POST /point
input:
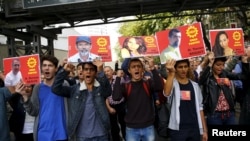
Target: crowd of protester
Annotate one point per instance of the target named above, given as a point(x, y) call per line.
point(94, 102)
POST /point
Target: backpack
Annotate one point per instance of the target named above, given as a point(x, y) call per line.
point(145, 86)
point(162, 112)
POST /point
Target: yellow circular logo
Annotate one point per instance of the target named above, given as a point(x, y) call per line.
point(192, 32)
point(102, 42)
point(31, 62)
point(149, 39)
point(236, 35)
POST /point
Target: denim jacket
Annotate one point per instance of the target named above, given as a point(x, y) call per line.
point(76, 100)
point(4, 126)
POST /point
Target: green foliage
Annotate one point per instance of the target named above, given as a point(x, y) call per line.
point(156, 23)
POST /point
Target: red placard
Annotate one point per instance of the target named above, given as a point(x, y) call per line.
point(100, 47)
point(191, 42)
point(227, 42)
point(138, 46)
point(29, 67)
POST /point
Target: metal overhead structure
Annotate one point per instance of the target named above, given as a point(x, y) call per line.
point(29, 20)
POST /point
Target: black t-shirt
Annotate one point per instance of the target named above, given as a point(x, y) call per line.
point(188, 115)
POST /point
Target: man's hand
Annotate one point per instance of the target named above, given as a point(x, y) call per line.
point(68, 67)
point(119, 73)
point(99, 64)
point(170, 66)
point(64, 61)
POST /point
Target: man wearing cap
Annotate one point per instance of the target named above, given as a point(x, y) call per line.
point(83, 45)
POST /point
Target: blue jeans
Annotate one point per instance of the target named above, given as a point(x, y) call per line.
point(222, 118)
point(98, 138)
point(140, 134)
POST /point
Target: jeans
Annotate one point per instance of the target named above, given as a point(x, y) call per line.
point(98, 138)
point(222, 118)
point(140, 134)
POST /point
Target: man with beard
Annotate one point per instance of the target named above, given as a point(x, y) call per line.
point(48, 108)
point(83, 45)
point(173, 50)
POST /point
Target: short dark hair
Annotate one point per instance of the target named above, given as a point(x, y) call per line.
point(79, 64)
point(182, 61)
point(223, 59)
point(172, 31)
point(89, 63)
point(134, 60)
point(50, 58)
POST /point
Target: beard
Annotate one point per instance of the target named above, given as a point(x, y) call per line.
point(84, 52)
point(176, 44)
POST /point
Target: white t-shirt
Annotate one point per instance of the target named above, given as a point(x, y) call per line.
point(28, 124)
point(12, 79)
point(77, 59)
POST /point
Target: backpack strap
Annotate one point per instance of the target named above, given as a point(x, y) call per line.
point(128, 88)
point(146, 87)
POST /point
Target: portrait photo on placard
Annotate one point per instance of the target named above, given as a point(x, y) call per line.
point(25, 68)
point(88, 48)
point(181, 42)
point(227, 42)
point(138, 46)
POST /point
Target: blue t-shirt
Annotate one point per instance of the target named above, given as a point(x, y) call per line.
point(52, 121)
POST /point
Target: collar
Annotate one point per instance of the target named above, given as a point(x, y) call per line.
point(84, 87)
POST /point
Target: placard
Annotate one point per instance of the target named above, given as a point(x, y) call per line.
point(181, 42)
point(26, 68)
point(88, 48)
point(227, 42)
point(138, 46)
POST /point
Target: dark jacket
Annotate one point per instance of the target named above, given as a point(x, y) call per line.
point(17, 118)
point(140, 109)
point(245, 108)
point(76, 100)
point(211, 90)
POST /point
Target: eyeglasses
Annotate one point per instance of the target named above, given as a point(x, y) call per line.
point(16, 65)
point(89, 69)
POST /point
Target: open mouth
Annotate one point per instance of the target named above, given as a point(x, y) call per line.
point(137, 74)
point(87, 77)
point(46, 73)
